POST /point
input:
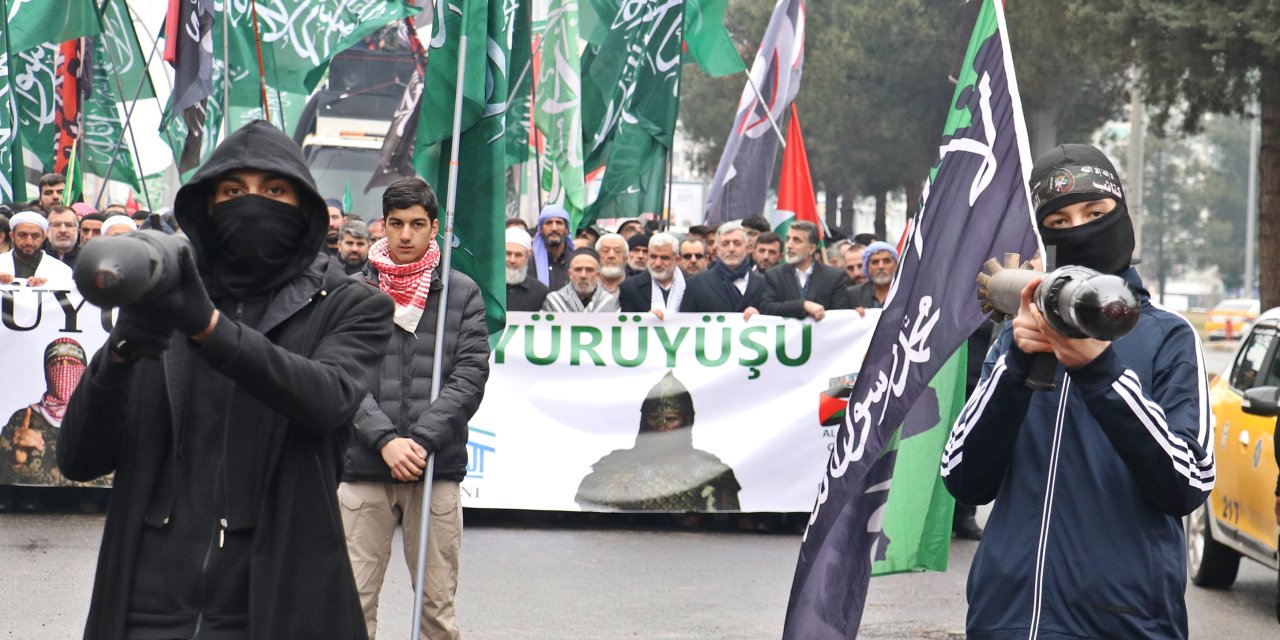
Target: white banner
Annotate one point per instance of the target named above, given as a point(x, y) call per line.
point(565, 394)
point(47, 337)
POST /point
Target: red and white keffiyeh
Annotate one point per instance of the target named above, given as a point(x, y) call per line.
point(407, 284)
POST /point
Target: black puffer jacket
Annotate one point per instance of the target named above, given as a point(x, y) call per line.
point(296, 375)
point(399, 401)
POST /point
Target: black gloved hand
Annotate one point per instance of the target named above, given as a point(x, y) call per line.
point(186, 308)
point(135, 336)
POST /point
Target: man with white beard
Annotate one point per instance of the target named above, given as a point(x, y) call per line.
point(524, 292)
point(660, 289)
point(583, 293)
point(879, 264)
point(612, 248)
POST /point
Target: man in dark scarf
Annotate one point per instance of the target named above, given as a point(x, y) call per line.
point(227, 438)
point(730, 285)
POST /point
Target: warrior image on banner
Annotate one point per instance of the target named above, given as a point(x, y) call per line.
point(29, 439)
point(663, 471)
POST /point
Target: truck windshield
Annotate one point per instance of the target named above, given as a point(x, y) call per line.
point(334, 168)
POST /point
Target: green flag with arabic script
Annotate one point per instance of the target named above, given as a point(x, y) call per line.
point(630, 101)
point(558, 112)
point(478, 241)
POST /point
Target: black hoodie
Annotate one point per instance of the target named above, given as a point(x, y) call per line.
point(223, 519)
point(257, 145)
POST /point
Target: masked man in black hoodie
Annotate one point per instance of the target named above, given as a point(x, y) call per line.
point(227, 438)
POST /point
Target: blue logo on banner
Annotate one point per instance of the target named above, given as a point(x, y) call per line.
point(477, 448)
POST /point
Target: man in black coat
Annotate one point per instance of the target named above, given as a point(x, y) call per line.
point(660, 288)
point(524, 291)
point(803, 286)
point(227, 439)
point(730, 285)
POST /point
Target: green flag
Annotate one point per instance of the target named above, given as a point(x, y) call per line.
point(34, 72)
point(121, 49)
point(521, 85)
point(346, 198)
point(298, 37)
point(630, 100)
point(13, 184)
point(478, 225)
point(30, 23)
point(708, 39)
point(917, 516)
point(103, 128)
point(558, 111)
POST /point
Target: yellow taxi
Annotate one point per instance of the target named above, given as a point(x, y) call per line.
point(1239, 519)
point(1230, 319)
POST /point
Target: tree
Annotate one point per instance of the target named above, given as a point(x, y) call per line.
point(1070, 85)
point(1218, 56)
point(874, 93)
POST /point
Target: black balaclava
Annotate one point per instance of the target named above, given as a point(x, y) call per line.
point(255, 240)
point(267, 251)
point(1072, 173)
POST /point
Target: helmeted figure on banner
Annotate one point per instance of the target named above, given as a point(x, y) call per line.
point(663, 471)
point(28, 442)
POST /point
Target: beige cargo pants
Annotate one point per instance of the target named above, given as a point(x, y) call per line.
point(370, 513)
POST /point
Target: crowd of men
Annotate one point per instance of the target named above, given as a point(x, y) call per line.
point(736, 267)
point(38, 238)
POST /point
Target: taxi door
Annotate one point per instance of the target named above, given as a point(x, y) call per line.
point(1245, 460)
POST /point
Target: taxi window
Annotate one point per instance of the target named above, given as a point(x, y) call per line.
point(1252, 361)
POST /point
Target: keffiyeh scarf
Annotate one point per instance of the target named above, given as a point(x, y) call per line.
point(407, 284)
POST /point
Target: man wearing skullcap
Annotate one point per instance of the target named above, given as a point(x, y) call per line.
point(583, 294)
point(524, 292)
point(26, 259)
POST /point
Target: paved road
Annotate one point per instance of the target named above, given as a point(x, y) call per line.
point(594, 580)
point(584, 581)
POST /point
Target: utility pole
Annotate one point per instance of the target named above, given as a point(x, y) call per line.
point(1137, 130)
point(1251, 208)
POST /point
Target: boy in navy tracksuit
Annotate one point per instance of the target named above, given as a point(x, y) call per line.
point(1090, 479)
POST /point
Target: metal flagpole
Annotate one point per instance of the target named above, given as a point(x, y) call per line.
point(666, 212)
point(128, 117)
point(128, 127)
point(767, 112)
point(437, 366)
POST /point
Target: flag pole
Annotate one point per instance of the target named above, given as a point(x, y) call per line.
point(262, 70)
point(128, 118)
point(437, 365)
point(226, 72)
point(533, 124)
point(777, 131)
point(128, 126)
point(666, 212)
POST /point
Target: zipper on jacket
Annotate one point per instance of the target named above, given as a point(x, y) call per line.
point(204, 571)
point(1042, 546)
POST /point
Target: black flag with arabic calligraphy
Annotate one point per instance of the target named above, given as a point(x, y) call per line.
point(976, 206)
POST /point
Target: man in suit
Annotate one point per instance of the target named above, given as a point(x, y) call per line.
point(730, 285)
point(803, 287)
point(660, 288)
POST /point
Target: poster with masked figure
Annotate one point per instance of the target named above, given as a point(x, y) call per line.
point(48, 336)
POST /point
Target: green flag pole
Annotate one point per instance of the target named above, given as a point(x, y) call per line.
point(128, 118)
point(128, 126)
point(437, 365)
point(533, 115)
